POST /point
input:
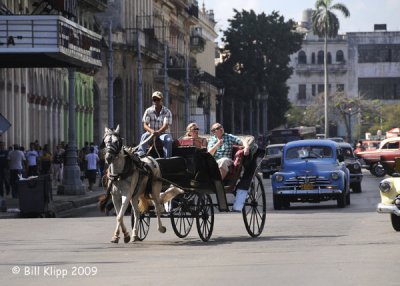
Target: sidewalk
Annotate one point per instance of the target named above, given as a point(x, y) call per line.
point(62, 206)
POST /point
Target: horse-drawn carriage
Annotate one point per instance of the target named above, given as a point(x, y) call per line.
point(194, 176)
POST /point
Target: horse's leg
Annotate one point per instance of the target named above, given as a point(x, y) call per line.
point(120, 218)
point(155, 192)
point(117, 205)
point(136, 213)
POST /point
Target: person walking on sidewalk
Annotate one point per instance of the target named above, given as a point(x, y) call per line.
point(16, 161)
point(92, 159)
point(3, 171)
point(32, 156)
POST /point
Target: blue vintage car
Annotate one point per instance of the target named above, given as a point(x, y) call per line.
point(311, 171)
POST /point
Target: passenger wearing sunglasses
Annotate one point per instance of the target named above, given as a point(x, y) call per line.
point(220, 146)
point(156, 121)
point(192, 132)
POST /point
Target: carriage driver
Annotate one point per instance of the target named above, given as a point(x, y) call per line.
point(156, 121)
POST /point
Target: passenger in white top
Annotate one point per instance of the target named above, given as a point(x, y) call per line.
point(16, 160)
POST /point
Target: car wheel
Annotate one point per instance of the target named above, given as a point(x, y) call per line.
point(377, 170)
point(277, 202)
point(395, 222)
point(356, 187)
point(341, 200)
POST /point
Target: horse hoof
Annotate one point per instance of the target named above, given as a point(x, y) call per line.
point(163, 229)
point(127, 239)
point(134, 238)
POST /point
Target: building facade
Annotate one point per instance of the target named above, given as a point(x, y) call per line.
point(359, 63)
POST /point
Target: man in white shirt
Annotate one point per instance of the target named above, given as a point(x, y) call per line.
point(32, 155)
point(91, 167)
point(16, 160)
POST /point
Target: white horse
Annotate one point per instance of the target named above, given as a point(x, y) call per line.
point(128, 177)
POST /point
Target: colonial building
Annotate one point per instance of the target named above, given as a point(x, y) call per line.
point(359, 63)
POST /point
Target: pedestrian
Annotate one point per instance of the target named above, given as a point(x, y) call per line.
point(156, 121)
point(16, 161)
point(45, 160)
point(92, 160)
point(32, 157)
point(58, 164)
point(4, 171)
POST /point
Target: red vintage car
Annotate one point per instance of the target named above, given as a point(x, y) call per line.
point(371, 160)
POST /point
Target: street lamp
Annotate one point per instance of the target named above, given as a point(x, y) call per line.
point(221, 92)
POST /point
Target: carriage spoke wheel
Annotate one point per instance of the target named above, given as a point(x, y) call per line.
point(205, 217)
point(181, 215)
point(254, 210)
point(143, 226)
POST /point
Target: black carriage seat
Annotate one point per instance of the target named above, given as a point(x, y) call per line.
point(174, 169)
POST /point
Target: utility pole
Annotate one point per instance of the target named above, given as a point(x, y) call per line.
point(110, 79)
point(140, 83)
point(187, 92)
point(166, 95)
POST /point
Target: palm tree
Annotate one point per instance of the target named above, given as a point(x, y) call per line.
point(326, 24)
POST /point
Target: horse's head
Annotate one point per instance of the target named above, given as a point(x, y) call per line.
point(112, 142)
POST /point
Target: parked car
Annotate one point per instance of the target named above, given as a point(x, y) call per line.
point(354, 166)
point(391, 162)
point(272, 160)
point(311, 171)
point(371, 159)
point(390, 200)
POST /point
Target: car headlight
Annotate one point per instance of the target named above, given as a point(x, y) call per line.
point(335, 176)
point(384, 187)
point(279, 178)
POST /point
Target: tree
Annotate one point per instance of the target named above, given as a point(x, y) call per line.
point(256, 63)
point(326, 24)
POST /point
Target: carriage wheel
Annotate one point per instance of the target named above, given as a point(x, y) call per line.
point(181, 215)
point(205, 217)
point(144, 225)
point(254, 210)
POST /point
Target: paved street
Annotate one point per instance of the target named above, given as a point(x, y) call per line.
point(309, 244)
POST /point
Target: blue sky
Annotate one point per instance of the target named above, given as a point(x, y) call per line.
point(363, 13)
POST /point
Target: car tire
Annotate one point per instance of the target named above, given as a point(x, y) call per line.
point(356, 187)
point(341, 200)
point(377, 170)
point(277, 203)
point(395, 222)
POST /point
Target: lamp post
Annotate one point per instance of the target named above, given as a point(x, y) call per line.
point(221, 104)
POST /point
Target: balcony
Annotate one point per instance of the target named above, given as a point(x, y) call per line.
point(197, 43)
point(340, 68)
point(47, 41)
point(97, 5)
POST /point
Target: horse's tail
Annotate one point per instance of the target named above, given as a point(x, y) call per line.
point(144, 203)
point(103, 199)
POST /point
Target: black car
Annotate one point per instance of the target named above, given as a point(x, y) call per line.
point(354, 166)
point(272, 160)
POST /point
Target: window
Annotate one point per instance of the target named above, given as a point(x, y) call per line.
point(380, 88)
point(302, 92)
point(313, 58)
point(379, 53)
point(313, 90)
point(340, 87)
point(321, 88)
point(320, 58)
point(339, 56)
point(302, 58)
point(329, 59)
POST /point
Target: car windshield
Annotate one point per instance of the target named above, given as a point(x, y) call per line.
point(306, 152)
point(274, 151)
point(347, 153)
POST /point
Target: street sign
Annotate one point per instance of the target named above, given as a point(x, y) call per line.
point(4, 124)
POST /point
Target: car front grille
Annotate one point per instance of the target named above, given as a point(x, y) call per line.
point(298, 182)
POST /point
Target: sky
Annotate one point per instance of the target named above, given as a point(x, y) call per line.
point(363, 13)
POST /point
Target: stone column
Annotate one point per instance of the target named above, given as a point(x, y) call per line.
point(71, 184)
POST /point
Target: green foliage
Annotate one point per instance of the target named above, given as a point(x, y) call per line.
point(325, 22)
point(385, 118)
point(256, 60)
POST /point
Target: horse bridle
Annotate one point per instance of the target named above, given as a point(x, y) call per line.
point(113, 148)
